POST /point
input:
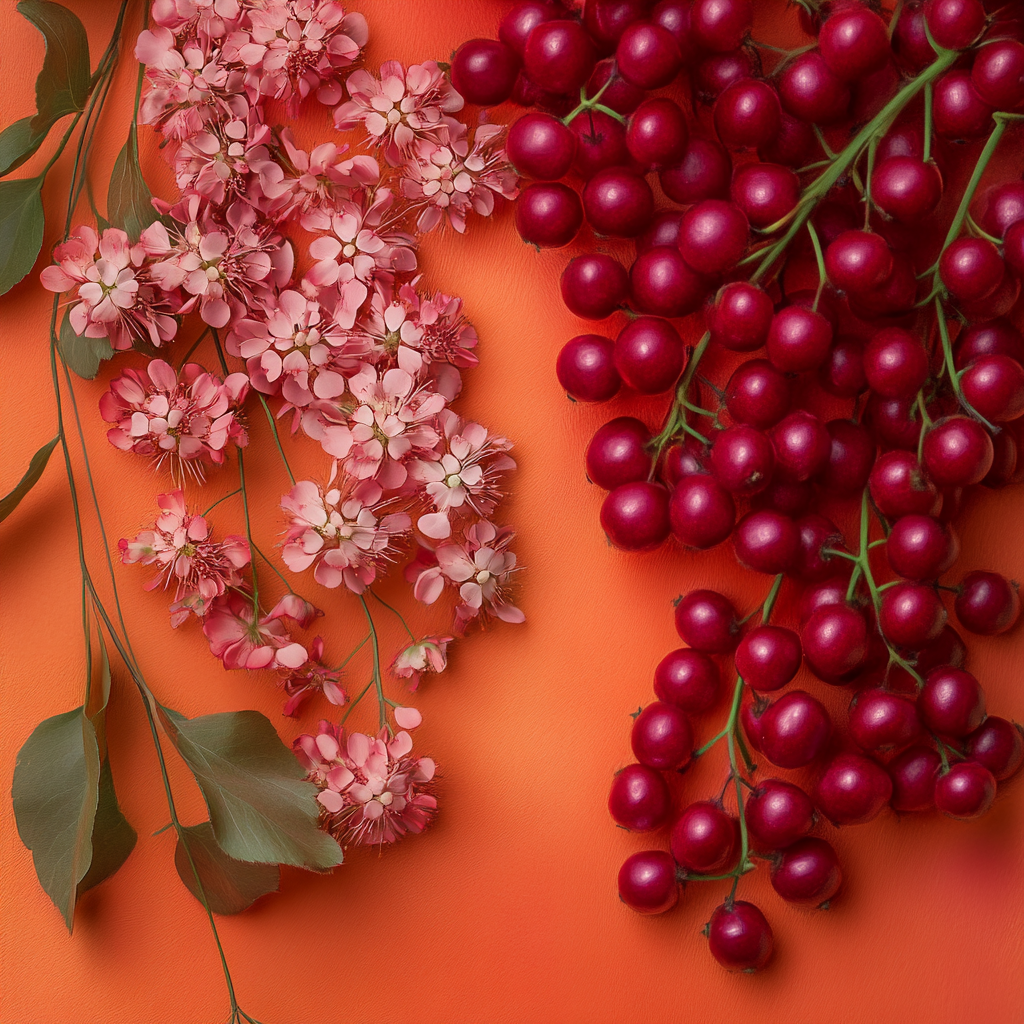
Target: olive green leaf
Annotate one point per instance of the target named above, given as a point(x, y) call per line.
point(129, 204)
point(10, 501)
point(82, 354)
point(21, 229)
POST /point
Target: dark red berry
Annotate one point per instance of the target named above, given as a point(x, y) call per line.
point(541, 146)
point(951, 702)
point(882, 721)
point(647, 55)
point(742, 460)
point(895, 363)
point(647, 882)
point(802, 446)
point(649, 355)
point(798, 339)
point(998, 73)
point(1002, 205)
point(911, 615)
point(992, 338)
point(794, 730)
point(842, 372)
point(662, 283)
point(807, 873)
point(921, 548)
point(854, 42)
point(618, 202)
point(858, 261)
point(617, 453)
point(793, 144)
point(966, 791)
point(778, 814)
point(954, 24)
point(701, 511)
point(906, 188)
point(765, 192)
point(662, 737)
point(621, 96)
point(987, 603)
point(766, 541)
point(998, 745)
point(768, 657)
point(852, 790)
point(739, 937)
point(994, 386)
point(606, 20)
point(910, 39)
point(586, 368)
point(548, 214)
point(707, 622)
point(971, 268)
point(811, 91)
point(834, 637)
point(688, 679)
point(594, 285)
point(851, 457)
point(517, 25)
point(899, 486)
point(559, 56)
point(740, 317)
point(957, 452)
point(484, 71)
point(600, 142)
point(913, 774)
point(757, 393)
point(705, 840)
point(634, 516)
point(713, 236)
point(703, 173)
point(639, 798)
point(657, 135)
point(720, 25)
point(748, 114)
point(958, 111)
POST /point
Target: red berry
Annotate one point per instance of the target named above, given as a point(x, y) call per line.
point(818, 536)
point(987, 603)
point(634, 516)
point(757, 394)
point(842, 372)
point(911, 615)
point(882, 721)
point(906, 188)
point(657, 135)
point(854, 42)
point(688, 679)
point(701, 511)
point(765, 192)
point(739, 937)
point(954, 24)
point(966, 791)
point(541, 147)
point(834, 638)
point(740, 317)
point(971, 268)
point(647, 55)
point(913, 774)
point(742, 460)
point(705, 840)
point(720, 25)
point(793, 144)
point(766, 541)
point(586, 368)
point(748, 114)
point(852, 790)
point(993, 338)
point(794, 730)
point(484, 71)
point(910, 40)
point(649, 355)
point(899, 486)
point(895, 421)
point(798, 339)
point(958, 111)
point(802, 446)
point(998, 745)
point(559, 56)
point(662, 283)
point(703, 173)
point(768, 657)
point(994, 386)
point(713, 236)
point(851, 457)
point(807, 873)
point(517, 25)
point(921, 548)
point(957, 452)
point(621, 96)
point(707, 622)
point(998, 73)
point(548, 214)
point(594, 285)
point(639, 798)
point(895, 363)
point(1002, 205)
point(618, 202)
point(600, 142)
point(647, 882)
point(811, 91)
point(778, 814)
point(858, 261)
point(606, 20)
point(662, 737)
point(951, 702)
point(662, 231)
point(617, 453)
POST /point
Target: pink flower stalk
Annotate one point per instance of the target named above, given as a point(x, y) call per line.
point(394, 422)
point(117, 298)
point(344, 536)
point(189, 421)
point(400, 106)
point(242, 638)
point(427, 655)
point(298, 47)
point(465, 478)
point(312, 677)
point(372, 790)
point(295, 348)
point(448, 180)
point(179, 544)
point(480, 567)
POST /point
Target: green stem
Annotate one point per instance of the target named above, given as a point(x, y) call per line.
point(248, 533)
point(382, 701)
point(928, 91)
point(396, 612)
point(820, 259)
point(277, 439)
point(950, 367)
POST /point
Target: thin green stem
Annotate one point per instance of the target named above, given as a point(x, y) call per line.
point(195, 345)
point(277, 439)
point(820, 259)
point(280, 575)
point(872, 146)
point(382, 701)
point(928, 99)
point(237, 490)
point(396, 612)
point(355, 650)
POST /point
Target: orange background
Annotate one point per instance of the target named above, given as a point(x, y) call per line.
point(506, 910)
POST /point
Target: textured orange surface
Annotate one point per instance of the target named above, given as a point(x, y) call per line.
point(506, 910)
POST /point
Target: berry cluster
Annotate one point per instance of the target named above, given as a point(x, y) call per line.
point(817, 229)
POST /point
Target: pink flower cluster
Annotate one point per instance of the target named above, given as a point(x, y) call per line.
point(354, 351)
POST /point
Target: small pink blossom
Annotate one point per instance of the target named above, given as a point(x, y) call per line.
point(243, 639)
point(312, 677)
point(206, 17)
point(222, 161)
point(179, 544)
point(427, 655)
point(372, 790)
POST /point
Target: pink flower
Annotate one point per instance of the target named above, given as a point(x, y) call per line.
point(221, 161)
point(372, 790)
point(117, 297)
point(480, 567)
point(465, 477)
point(243, 639)
point(400, 107)
point(427, 655)
point(448, 180)
point(180, 546)
point(206, 17)
point(312, 677)
point(188, 421)
point(343, 535)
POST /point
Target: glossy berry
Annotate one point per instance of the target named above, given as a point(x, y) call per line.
point(548, 214)
point(768, 657)
point(662, 737)
point(994, 386)
point(842, 372)
point(921, 548)
point(620, 95)
point(958, 111)
point(899, 486)
point(882, 721)
point(954, 24)
point(778, 814)
point(701, 511)
point(951, 702)
point(858, 261)
point(703, 173)
point(617, 453)
point(713, 236)
point(895, 421)
point(742, 460)
point(541, 147)
point(662, 284)
point(854, 42)
point(802, 446)
point(966, 791)
point(634, 516)
point(639, 799)
point(674, 15)
point(739, 937)
point(757, 393)
point(971, 268)
point(913, 774)
point(850, 459)
point(586, 368)
point(657, 135)
point(998, 745)
point(798, 339)
point(594, 285)
point(788, 498)
point(649, 355)
point(684, 459)
point(834, 639)
point(992, 338)
point(895, 363)
point(524, 17)
point(748, 114)
point(618, 202)
point(765, 192)
point(998, 73)
point(720, 25)
point(766, 541)
point(906, 188)
point(600, 142)
point(811, 91)
point(707, 622)
point(1002, 205)
point(688, 679)
point(957, 452)
point(793, 144)
point(559, 56)
point(484, 71)
point(852, 790)
point(807, 873)
point(606, 20)
point(647, 55)
point(818, 537)
point(740, 316)
point(987, 603)
point(647, 882)
point(895, 296)
point(662, 231)
point(911, 615)
point(794, 730)
point(705, 840)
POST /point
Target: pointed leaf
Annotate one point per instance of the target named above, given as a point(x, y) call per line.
point(64, 81)
point(21, 229)
point(230, 885)
point(129, 201)
point(83, 355)
point(18, 141)
point(260, 806)
point(55, 794)
point(9, 502)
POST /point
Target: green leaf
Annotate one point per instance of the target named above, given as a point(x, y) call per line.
point(18, 142)
point(129, 203)
point(260, 806)
point(21, 229)
point(82, 354)
point(230, 885)
point(64, 81)
point(9, 502)
point(55, 793)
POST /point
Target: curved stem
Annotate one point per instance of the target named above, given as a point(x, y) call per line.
point(382, 701)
